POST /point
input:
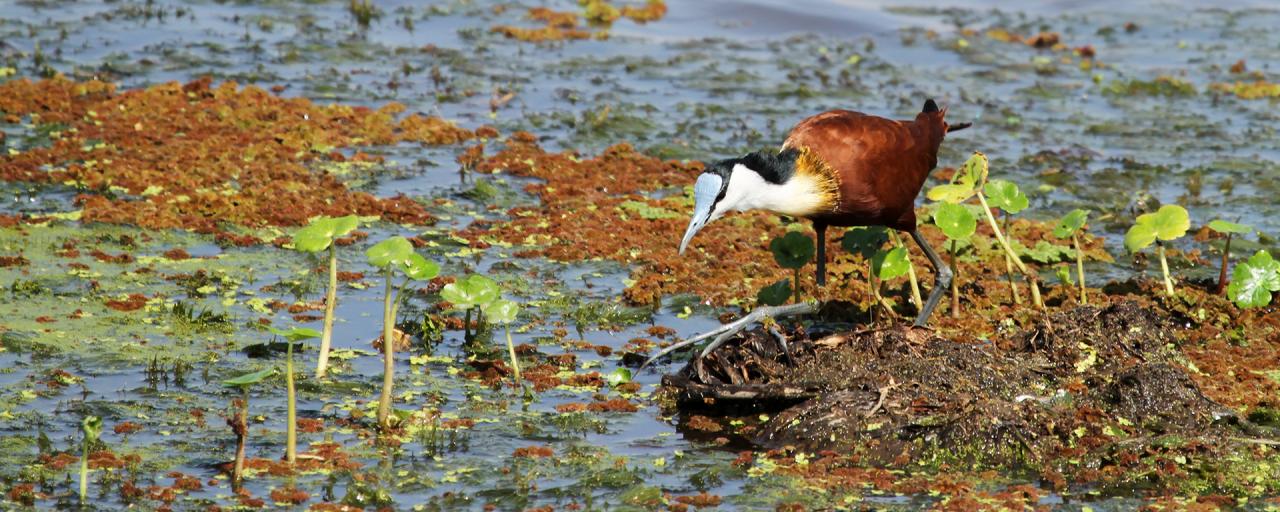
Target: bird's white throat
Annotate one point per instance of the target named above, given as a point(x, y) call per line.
point(747, 190)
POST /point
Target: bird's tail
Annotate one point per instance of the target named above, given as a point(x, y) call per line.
point(930, 106)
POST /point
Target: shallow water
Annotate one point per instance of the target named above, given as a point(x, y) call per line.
point(711, 79)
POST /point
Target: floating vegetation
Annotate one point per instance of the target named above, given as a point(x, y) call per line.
point(130, 153)
point(560, 25)
point(1160, 86)
point(1250, 90)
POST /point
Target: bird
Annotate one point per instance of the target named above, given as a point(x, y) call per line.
point(837, 168)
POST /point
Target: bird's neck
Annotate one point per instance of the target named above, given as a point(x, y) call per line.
point(792, 182)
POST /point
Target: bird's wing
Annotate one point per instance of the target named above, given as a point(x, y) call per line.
point(880, 163)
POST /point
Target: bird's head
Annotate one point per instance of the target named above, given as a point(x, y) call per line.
point(709, 194)
point(764, 180)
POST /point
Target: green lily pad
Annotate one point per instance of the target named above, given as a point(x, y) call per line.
point(775, 294)
point(965, 182)
point(419, 268)
point(891, 264)
point(1070, 223)
point(1223, 226)
point(955, 221)
point(319, 234)
point(792, 250)
point(865, 241)
point(249, 379)
point(618, 377)
point(1168, 223)
point(501, 311)
point(1253, 281)
point(474, 290)
point(394, 250)
point(295, 334)
point(1004, 194)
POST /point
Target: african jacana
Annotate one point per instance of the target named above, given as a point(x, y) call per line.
point(837, 168)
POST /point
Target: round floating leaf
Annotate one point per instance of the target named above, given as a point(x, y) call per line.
point(295, 334)
point(92, 428)
point(792, 250)
point(618, 377)
point(1139, 237)
point(501, 311)
point(964, 184)
point(891, 264)
point(1254, 280)
point(392, 250)
point(1223, 226)
point(249, 379)
point(1070, 223)
point(950, 193)
point(311, 239)
point(975, 170)
point(319, 234)
point(775, 294)
point(1168, 223)
point(1005, 195)
point(864, 241)
point(344, 225)
point(419, 268)
point(475, 290)
point(955, 221)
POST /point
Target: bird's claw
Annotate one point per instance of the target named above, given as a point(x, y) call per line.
point(726, 331)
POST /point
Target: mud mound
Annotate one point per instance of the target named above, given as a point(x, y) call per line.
point(1081, 381)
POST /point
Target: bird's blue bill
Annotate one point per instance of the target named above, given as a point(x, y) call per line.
point(705, 191)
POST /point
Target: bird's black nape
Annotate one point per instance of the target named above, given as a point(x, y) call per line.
point(930, 106)
point(775, 168)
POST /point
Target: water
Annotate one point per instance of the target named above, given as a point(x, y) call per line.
point(711, 79)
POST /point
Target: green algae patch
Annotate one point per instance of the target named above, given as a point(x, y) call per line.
point(1160, 86)
point(1250, 90)
point(193, 155)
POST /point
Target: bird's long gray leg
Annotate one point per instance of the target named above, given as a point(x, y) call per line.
point(939, 285)
point(821, 229)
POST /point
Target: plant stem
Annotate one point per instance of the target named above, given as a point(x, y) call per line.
point(1075, 240)
point(466, 327)
point(242, 434)
point(84, 473)
point(1222, 274)
point(291, 429)
point(515, 364)
point(1008, 269)
point(871, 281)
point(1032, 278)
point(330, 303)
point(1164, 267)
point(955, 283)
point(795, 292)
point(911, 273)
point(388, 354)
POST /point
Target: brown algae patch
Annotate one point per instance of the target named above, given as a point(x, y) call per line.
point(563, 25)
point(195, 155)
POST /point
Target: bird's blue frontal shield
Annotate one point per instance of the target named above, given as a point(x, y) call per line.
point(705, 191)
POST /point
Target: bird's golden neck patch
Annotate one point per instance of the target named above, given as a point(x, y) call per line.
point(825, 185)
